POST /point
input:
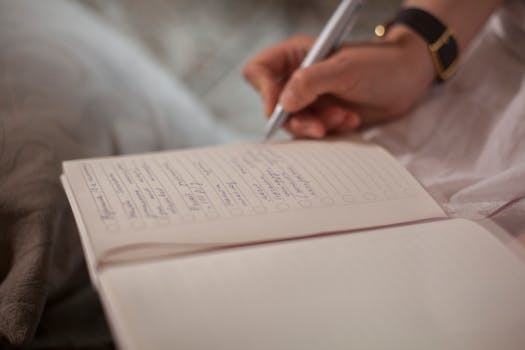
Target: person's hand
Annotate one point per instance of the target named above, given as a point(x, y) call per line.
point(357, 85)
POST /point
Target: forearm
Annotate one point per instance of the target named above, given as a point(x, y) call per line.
point(464, 17)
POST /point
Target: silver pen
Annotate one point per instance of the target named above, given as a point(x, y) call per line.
point(326, 42)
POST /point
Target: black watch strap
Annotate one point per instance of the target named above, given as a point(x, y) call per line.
point(441, 43)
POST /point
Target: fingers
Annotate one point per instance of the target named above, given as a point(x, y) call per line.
point(326, 116)
point(306, 85)
point(351, 123)
point(268, 71)
point(306, 125)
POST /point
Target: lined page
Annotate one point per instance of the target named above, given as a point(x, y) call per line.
point(243, 193)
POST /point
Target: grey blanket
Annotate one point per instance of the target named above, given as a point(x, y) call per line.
point(70, 87)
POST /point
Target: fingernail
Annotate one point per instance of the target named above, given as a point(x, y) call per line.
point(354, 120)
point(313, 131)
point(335, 119)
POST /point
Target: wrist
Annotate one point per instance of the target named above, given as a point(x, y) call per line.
point(442, 45)
point(418, 61)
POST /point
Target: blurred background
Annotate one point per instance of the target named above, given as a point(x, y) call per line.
point(205, 43)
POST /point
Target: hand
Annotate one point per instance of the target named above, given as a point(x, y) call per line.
point(357, 85)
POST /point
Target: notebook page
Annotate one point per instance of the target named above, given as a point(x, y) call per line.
point(242, 193)
point(442, 285)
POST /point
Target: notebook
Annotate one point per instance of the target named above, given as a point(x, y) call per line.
point(294, 244)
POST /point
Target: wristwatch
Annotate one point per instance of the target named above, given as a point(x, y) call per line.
point(441, 43)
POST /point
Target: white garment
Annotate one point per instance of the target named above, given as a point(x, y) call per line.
point(466, 140)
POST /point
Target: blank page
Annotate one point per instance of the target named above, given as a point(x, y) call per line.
point(443, 285)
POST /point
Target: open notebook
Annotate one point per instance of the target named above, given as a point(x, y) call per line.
point(233, 246)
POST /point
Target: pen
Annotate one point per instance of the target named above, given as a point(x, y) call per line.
point(326, 42)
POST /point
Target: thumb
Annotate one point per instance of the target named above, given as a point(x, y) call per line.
point(307, 84)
